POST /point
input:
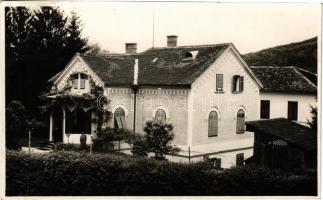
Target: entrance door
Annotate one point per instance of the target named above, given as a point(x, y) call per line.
point(58, 125)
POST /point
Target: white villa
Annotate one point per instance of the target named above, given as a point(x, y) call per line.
point(206, 91)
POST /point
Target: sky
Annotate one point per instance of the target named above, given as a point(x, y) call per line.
point(250, 27)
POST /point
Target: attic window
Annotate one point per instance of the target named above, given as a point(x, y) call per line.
point(78, 80)
point(190, 55)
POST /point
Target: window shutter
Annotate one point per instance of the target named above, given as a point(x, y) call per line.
point(239, 159)
point(119, 117)
point(82, 83)
point(240, 121)
point(218, 163)
point(213, 124)
point(74, 82)
point(219, 82)
point(160, 116)
point(241, 83)
point(233, 84)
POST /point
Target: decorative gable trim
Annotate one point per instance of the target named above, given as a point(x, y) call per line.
point(85, 68)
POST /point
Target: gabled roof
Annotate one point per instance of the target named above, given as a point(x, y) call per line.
point(169, 66)
point(113, 70)
point(165, 66)
point(284, 79)
point(309, 75)
point(289, 131)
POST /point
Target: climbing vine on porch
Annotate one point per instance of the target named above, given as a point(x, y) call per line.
point(93, 100)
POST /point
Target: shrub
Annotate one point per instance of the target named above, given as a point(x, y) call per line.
point(71, 173)
point(157, 139)
point(107, 135)
point(16, 123)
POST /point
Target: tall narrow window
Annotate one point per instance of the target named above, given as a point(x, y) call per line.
point(237, 83)
point(292, 110)
point(160, 116)
point(219, 82)
point(119, 118)
point(240, 159)
point(213, 124)
point(264, 109)
point(240, 121)
point(82, 81)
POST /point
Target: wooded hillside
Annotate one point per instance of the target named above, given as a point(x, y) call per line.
point(300, 54)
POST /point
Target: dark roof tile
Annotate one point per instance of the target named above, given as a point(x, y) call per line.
point(290, 131)
point(283, 79)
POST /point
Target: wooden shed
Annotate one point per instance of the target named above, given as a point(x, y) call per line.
point(283, 144)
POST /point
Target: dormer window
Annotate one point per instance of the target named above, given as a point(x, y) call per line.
point(237, 83)
point(190, 55)
point(78, 80)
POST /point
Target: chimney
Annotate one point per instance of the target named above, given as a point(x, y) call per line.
point(131, 47)
point(171, 40)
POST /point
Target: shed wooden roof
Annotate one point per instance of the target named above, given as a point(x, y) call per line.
point(292, 132)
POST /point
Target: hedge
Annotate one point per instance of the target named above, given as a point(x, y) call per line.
point(71, 173)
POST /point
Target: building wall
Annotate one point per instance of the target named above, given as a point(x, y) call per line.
point(149, 99)
point(279, 104)
point(204, 99)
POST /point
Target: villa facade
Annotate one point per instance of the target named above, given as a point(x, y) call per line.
point(206, 91)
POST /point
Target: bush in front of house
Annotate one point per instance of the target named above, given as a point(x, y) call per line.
point(106, 136)
point(157, 139)
point(72, 173)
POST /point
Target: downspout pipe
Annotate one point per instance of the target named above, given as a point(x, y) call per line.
point(135, 90)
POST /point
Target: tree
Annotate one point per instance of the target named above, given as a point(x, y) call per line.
point(18, 31)
point(38, 45)
point(16, 123)
point(158, 139)
point(74, 40)
point(313, 122)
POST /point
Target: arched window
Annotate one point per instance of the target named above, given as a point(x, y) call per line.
point(160, 116)
point(213, 124)
point(119, 118)
point(240, 121)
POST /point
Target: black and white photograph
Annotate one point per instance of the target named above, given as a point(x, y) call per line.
point(155, 98)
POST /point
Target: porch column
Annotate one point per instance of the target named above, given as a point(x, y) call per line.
point(63, 129)
point(51, 127)
point(93, 125)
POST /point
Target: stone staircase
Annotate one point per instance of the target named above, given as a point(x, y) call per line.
point(44, 145)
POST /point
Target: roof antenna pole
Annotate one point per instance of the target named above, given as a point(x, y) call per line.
point(153, 27)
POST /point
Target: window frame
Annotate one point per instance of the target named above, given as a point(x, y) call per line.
point(164, 113)
point(240, 159)
point(119, 120)
point(237, 85)
point(242, 130)
point(264, 115)
point(219, 82)
point(210, 134)
point(290, 113)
